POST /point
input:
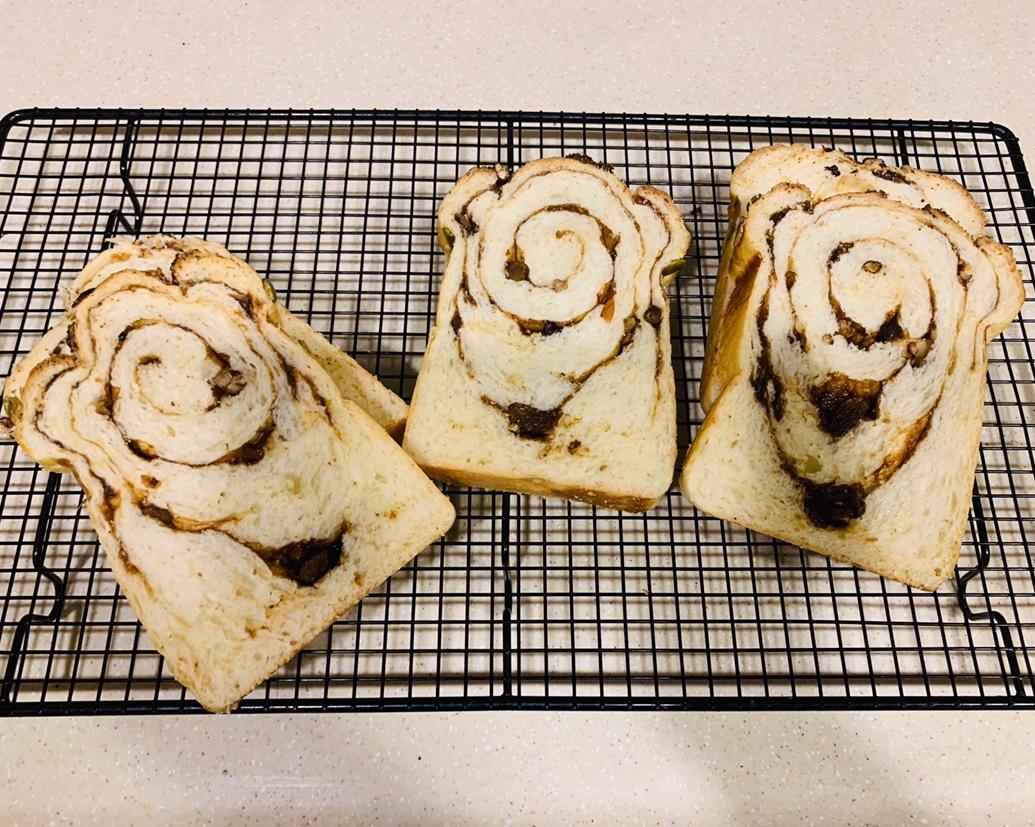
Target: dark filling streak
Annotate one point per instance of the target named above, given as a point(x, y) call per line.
point(631, 324)
point(743, 282)
point(253, 450)
point(767, 385)
point(917, 433)
point(109, 503)
point(305, 562)
point(797, 335)
point(70, 338)
point(940, 213)
point(781, 214)
point(578, 156)
point(963, 272)
point(859, 336)
point(833, 170)
point(842, 402)
point(882, 171)
point(839, 251)
point(142, 449)
point(106, 404)
point(463, 218)
point(891, 330)
point(606, 301)
point(532, 423)
point(82, 297)
point(653, 316)
point(247, 305)
point(609, 240)
point(832, 505)
point(457, 321)
point(527, 421)
point(290, 374)
point(159, 515)
point(501, 180)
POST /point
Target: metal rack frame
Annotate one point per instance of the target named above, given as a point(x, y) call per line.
point(527, 603)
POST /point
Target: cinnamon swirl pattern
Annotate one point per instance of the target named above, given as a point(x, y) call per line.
point(231, 484)
point(554, 286)
point(846, 362)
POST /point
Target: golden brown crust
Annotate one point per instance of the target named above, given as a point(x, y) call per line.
point(532, 485)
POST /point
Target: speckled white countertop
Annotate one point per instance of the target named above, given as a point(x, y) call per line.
point(883, 58)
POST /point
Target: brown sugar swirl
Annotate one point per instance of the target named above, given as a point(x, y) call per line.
point(174, 400)
point(556, 271)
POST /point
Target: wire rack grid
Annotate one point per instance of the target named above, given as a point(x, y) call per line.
point(527, 603)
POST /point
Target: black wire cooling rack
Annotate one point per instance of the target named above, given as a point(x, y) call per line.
point(528, 603)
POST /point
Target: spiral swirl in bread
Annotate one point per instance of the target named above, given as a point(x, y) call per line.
point(554, 283)
point(851, 319)
point(242, 500)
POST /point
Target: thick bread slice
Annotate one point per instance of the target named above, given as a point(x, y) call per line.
point(157, 252)
point(354, 382)
point(244, 504)
point(845, 371)
point(549, 367)
point(824, 173)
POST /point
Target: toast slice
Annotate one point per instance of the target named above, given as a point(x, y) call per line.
point(549, 370)
point(354, 381)
point(845, 369)
point(242, 501)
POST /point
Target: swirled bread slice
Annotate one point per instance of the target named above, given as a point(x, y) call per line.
point(355, 382)
point(243, 502)
point(549, 366)
point(845, 372)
